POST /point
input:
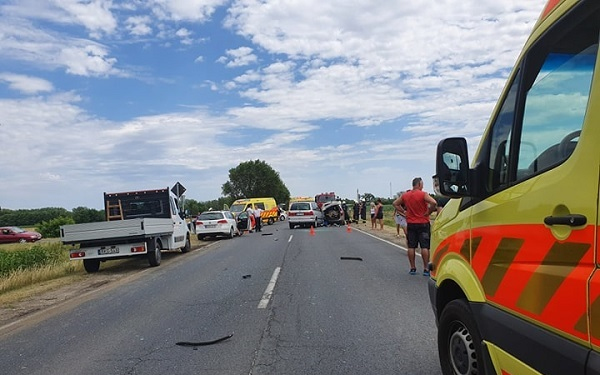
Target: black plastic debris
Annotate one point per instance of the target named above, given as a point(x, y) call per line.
point(204, 343)
point(351, 258)
point(246, 276)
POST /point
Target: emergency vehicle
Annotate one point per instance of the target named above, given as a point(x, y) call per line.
point(514, 284)
point(270, 212)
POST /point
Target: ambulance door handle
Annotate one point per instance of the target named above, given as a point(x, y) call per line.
point(574, 220)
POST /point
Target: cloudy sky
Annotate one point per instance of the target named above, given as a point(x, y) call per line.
point(105, 95)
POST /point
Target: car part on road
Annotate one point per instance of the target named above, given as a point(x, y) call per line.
point(204, 343)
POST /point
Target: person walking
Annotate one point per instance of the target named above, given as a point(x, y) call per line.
point(400, 217)
point(419, 205)
point(257, 218)
point(379, 214)
point(372, 215)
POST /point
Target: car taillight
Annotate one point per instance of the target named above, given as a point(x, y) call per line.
point(79, 254)
point(199, 223)
point(310, 213)
point(222, 221)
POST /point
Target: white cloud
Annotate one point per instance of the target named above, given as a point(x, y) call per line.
point(139, 25)
point(238, 57)
point(26, 84)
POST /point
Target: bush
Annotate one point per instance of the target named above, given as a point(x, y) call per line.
point(51, 228)
point(36, 256)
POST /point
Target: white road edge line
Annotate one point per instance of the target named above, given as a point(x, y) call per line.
point(269, 291)
point(386, 241)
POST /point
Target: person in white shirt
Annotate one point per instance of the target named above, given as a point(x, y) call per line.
point(250, 213)
point(258, 220)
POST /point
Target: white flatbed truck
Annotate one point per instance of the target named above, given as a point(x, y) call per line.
point(138, 223)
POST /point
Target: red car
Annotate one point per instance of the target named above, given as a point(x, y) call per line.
point(16, 234)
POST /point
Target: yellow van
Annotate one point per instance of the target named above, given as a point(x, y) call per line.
point(515, 285)
point(268, 205)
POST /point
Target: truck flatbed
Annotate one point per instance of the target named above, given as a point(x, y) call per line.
point(140, 227)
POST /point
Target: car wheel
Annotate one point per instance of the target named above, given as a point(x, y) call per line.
point(22, 240)
point(200, 237)
point(154, 255)
point(91, 265)
point(459, 341)
point(230, 232)
point(282, 218)
point(291, 226)
point(187, 247)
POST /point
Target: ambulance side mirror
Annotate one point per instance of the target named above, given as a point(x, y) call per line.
point(452, 168)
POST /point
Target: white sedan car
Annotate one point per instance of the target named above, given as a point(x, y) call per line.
point(216, 223)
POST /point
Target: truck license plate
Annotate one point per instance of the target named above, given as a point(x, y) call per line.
point(109, 250)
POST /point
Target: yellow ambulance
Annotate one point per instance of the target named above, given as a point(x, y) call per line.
point(515, 285)
point(268, 205)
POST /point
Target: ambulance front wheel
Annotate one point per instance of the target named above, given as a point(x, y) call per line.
point(459, 341)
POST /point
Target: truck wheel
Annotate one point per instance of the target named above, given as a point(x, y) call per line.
point(270, 221)
point(91, 265)
point(459, 341)
point(187, 247)
point(154, 255)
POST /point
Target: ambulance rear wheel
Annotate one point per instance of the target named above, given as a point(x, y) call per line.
point(270, 221)
point(91, 265)
point(459, 341)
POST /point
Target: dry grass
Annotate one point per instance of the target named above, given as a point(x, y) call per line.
point(23, 278)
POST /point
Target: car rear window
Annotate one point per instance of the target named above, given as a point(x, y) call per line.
point(210, 216)
point(302, 206)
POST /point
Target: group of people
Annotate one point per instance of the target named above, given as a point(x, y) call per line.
point(254, 218)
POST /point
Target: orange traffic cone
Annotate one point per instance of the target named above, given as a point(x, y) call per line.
point(312, 230)
point(348, 229)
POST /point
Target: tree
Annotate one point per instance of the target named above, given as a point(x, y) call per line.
point(253, 179)
point(368, 197)
point(87, 215)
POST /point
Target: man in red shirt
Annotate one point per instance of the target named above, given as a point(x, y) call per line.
point(418, 205)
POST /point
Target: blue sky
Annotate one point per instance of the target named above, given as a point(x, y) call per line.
point(104, 96)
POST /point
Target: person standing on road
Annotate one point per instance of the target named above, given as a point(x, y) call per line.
point(372, 215)
point(258, 219)
point(419, 205)
point(400, 217)
point(251, 220)
point(379, 214)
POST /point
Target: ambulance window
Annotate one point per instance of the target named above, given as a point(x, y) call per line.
point(499, 142)
point(554, 110)
point(260, 205)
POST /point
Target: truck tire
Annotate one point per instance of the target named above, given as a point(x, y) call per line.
point(91, 265)
point(459, 341)
point(154, 255)
point(187, 247)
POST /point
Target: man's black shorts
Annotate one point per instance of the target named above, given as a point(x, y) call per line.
point(418, 234)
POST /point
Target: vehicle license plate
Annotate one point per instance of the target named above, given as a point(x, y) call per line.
point(300, 214)
point(211, 226)
point(109, 250)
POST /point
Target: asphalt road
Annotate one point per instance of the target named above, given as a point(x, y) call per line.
point(289, 300)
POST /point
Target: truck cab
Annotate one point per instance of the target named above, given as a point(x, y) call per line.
point(514, 285)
